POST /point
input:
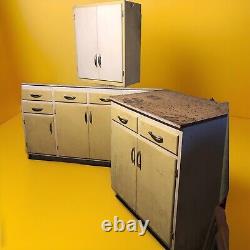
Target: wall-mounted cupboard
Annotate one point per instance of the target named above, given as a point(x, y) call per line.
point(108, 41)
point(68, 122)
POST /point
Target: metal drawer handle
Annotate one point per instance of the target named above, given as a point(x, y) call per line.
point(158, 139)
point(138, 160)
point(90, 117)
point(69, 97)
point(35, 96)
point(122, 120)
point(37, 109)
point(95, 60)
point(132, 155)
point(100, 61)
point(86, 118)
point(50, 128)
point(105, 99)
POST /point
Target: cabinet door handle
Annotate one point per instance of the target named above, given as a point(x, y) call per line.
point(86, 117)
point(37, 109)
point(100, 61)
point(122, 120)
point(71, 98)
point(95, 60)
point(105, 99)
point(90, 117)
point(132, 155)
point(50, 128)
point(158, 139)
point(138, 160)
point(35, 96)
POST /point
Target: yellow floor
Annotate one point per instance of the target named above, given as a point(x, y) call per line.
point(50, 205)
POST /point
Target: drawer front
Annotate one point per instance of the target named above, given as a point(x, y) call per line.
point(70, 95)
point(101, 98)
point(37, 93)
point(159, 133)
point(37, 107)
point(124, 116)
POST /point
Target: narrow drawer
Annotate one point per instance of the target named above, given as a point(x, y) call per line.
point(124, 116)
point(37, 107)
point(159, 133)
point(102, 98)
point(70, 95)
point(37, 93)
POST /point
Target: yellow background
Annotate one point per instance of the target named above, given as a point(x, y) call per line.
point(197, 47)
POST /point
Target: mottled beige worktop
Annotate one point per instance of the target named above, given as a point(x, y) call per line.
point(177, 108)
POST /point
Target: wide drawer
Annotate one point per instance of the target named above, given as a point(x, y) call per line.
point(70, 95)
point(159, 133)
point(102, 98)
point(124, 116)
point(37, 107)
point(37, 93)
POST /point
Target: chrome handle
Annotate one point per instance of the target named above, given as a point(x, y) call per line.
point(37, 109)
point(158, 139)
point(122, 120)
point(138, 160)
point(35, 96)
point(95, 60)
point(105, 100)
point(132, 155)
point(100, 61)
point(70, 98)
point(50, 128)
point(86, 118)
point(90, 117)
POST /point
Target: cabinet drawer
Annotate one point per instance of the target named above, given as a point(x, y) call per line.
point(37, 107)
point(124, 116)
point(159, 133)
point(37, 93)
point(102, 98)
point(70, 95)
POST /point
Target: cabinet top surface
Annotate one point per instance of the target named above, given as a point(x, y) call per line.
point(178, 109)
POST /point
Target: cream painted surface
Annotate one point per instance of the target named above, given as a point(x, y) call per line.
point(87, 42)
point(72, 130)
point(124, 116)
point(37, 107)
point(99, 132)
point(123, 171)
point(40, 134)
point(36, 93)
point(109, 23)
point(155, 188)
point(159, 133)
point(62, 94)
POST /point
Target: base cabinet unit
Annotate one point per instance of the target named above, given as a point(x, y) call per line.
point(69, 123)
point(167, 160)
point(40, 133)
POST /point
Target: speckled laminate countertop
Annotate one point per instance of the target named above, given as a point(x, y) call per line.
point(179, 109)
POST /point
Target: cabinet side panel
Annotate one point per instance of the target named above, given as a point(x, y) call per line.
point(132, 42)
point(200, 181)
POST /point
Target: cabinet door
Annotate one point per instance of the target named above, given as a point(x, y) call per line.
point(155, 188)
point(72, 130)
point(40, 136)
point(99, 131)
point(86, 42)
point(123, 170)
point(109, 23)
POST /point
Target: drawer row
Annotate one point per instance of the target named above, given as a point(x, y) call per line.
point(161, 134)
point(74, 95)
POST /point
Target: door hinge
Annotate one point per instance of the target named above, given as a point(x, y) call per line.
point(122, 13)
point(57, 147)
point(23, 121)
point(172, 236)
point(176, 173)
point(123, 73)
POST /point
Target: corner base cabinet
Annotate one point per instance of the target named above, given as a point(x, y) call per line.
point(69, 123)
point(167, 160)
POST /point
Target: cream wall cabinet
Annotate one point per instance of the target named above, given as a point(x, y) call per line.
point(108, 38)
point(69, 123)
point(167, 159)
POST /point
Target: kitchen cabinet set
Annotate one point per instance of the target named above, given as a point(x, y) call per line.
point(169, 167)
point(68, 123)
point(168, 151)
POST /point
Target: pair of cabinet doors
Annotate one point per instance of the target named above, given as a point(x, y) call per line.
point(99, 40)
point(76, 130)
point(143, 174)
